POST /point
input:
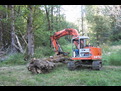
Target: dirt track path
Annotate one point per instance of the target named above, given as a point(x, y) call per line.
point(23, 67)
point(112, 67)
point(7, 68)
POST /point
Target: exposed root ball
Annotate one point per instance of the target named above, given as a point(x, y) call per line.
point(46, 64)
point(40, 66)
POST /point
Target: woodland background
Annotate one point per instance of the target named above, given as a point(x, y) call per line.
point(25, 32)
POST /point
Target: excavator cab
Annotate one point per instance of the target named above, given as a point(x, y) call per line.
point(78, 45)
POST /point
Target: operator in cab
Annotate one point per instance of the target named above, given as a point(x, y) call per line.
point(80, 45)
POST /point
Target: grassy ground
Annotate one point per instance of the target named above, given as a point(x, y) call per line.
point(111, 55)
point(13, 72)
point(60, 76)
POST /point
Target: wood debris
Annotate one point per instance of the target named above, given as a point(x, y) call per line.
point(45, 65)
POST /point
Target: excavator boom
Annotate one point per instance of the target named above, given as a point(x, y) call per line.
point(61, 33)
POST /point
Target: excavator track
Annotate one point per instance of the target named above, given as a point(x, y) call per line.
point(97, 65)
point(71, 65)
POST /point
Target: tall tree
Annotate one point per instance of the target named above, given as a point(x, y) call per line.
point(52, 7)
point(99, 24)
point(114, 12)
point(30, 35)
point(47, 15)
point(13, 39)
point(1, 28)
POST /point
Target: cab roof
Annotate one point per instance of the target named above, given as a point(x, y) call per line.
point(82, 37)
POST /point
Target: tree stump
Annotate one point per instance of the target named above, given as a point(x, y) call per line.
point(45, 65)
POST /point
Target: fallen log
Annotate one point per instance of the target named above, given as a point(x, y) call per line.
point(45, 65)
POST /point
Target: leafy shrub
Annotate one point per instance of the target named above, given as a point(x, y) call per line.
point(112, 58)
point(15, 59)
point(67, 48)
point(116, 42)
point(115, 58)
point(43, 51)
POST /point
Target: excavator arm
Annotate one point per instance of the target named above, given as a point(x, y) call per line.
point(59, 34)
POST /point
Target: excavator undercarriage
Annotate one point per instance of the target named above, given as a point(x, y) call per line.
point(95, 65)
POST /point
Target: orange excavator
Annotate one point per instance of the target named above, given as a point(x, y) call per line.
point(83, 54)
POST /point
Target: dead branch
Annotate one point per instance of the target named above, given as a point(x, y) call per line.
point(20, 47)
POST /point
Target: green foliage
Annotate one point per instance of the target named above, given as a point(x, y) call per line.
point(116, 42)
point(65, 24)
point(67, 48)
point(111, 55)
point(115, 58)
point(41, 52)
point(63, 41)
point(100, 24)
point(40, 29)
point(14, 59)
point(42, 38)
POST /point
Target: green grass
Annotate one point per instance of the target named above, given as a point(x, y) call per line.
point(13, 71)
point(111, 55)
point(115, 58)
point(60, 76)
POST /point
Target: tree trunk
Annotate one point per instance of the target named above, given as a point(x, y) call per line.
point(50, 24)
point(47, 15)
point(52, 17)
point(13, 48)
point(30, 36)
point(59, 16)
point(1, 34)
